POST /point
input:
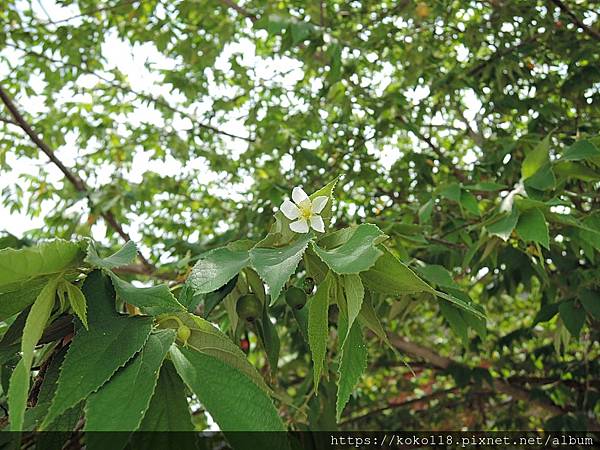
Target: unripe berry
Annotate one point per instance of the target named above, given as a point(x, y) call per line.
point(295, 297)
point(183, 333)
point(249, 307)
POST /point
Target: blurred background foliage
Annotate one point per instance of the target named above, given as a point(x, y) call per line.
point(466, 130)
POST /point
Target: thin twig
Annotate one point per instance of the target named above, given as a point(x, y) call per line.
point(565, 9)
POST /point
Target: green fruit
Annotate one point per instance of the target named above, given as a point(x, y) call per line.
point(249, 307)
point(183, 333)
point(295, 297)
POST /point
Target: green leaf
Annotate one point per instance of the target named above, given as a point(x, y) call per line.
point(118, 407)
point(581, 150)
point(505, 226)
point(536, 158)
point(355, 293)
point(232, 399)
point(318, 328)
point(357, 254)
point(353, 362)
point(153, 300)
point(437, 274)
point(451, 192)
point(485, 186)
point(456, 321)
point(216, 267)
point(368, 318)
point(126, 255)
point(16, 300)
point(543, 179)
point(77, 301)
point(208, 339)
point(34, 327)
point(573, 316)
point(17, 266)
point(97, 353)
point(326, 191)
point(390, 276)
point(426, 210)
point(169, 409)
point(469, 202)
point(591, 302)
point(276, 265)
point(270, 340)
point(462, 304)
point(532, 227)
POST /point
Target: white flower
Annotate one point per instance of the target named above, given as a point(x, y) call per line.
point(305, 210)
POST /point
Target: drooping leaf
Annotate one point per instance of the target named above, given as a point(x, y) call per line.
point(17, 266)
point(353, 362)
point(126, 255)
point(97, 353)
point(276, 265)
point(357, 254)
point(455, 320)
point(217, 267)
point(390, 276)
point(581, 150)
point(232, 399)
point(368, 318)
point(32, 332)
point(206, 338)
point(153, 300)
point(573, 316)
point(532, 227)
point(504, 226)
point(20, 297)
point(118, 407)
point(318, 329)
point(591, 302)
point(355, 293)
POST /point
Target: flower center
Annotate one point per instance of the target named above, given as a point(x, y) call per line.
point(305, 210)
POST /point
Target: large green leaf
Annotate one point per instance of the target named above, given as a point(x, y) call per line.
point(232, 399)
point(573, 316)
point(355, 292)
point(581, 150)
point(169, 409)
point(217, 267)
point(276, 265)
point(357, 254)
point(353, 362)
point(153, 300)
point(126, 255)
point(97, 353)
point(34, 327)
point(391, 276)
point(318, 329)
point(17, 266)
point(536, 158)
point(208, 339)
point(118, 407)
point(20, 297)
point(532, 227)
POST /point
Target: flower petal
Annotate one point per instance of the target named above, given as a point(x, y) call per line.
point(299, 226)
point(319, 203)
point(317, 223)
point(289, 210)
point(298, 195)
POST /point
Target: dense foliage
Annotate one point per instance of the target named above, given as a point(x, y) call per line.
point(456, 284)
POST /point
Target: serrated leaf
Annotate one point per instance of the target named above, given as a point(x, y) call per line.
point(357, 254)
point(276, 265)
point(232, 399)
point(118, 407)
point(355, 293)
point(216, 267)
point(532, 227)
point(126, 255)
point(353, 362)
point(17, 266)
point(318, 328)
point(390, 276)
point(32, 332)
point(573, 316)
point(169, 409)
point(16, 300)
point(153, 300)
point(206, 338)
point(536, 158)
point(77, 301)
point(97, 353)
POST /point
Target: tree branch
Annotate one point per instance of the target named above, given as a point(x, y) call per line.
point(244, 12)
point(499, 385)
point(565, 9)
point(73, 178)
